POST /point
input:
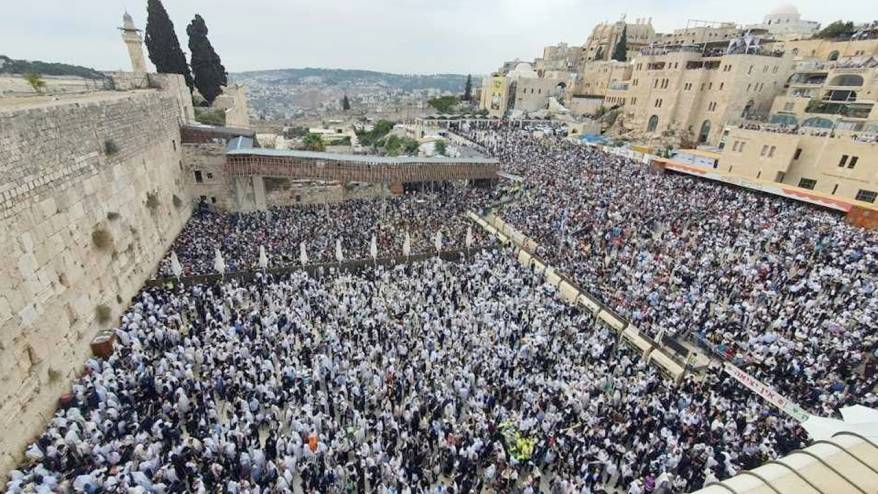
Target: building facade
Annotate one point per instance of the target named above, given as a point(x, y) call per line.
point(600, 43)
point(838, 163)
point(786, 22)
point(839, 95)
point(690, 92)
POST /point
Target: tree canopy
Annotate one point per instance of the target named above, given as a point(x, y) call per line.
point(468, 88)
point(162, 43)
point(620, 51)
point(372, 137)
point(443, 104)
point(837, 29)
point(210, 74)
point(313, 142)
point(345, 103)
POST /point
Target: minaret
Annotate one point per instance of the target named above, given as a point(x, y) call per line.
point(132, 39)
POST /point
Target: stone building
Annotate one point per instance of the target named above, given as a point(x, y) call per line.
point(600, 43)
point(828, 50)
point(838, 95)
point(597, 77)
point(785, 22)
point(689, 92)
point(697, 32)
point(92, 195)
point(839, 163)
point(523, 90)
point(822, 135)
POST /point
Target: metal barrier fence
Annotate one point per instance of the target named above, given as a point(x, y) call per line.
point(669, 347)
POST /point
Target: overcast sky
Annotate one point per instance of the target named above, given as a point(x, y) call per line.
point(408, 36)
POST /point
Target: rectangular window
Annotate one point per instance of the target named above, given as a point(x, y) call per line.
point(741, 149)
point(843, 161)
point(721, 85)
point(174, 143)
point(771, 151)
point(807, 183)
point(764, 150)
point(759, 174)
point(798, 154)
point(853, 161)
point(866, 195)
point(779, 177)
point(834, 188)
point(198, 178)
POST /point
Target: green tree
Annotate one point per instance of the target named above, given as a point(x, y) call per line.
point(36, 81)
point(468, 88)
point(374, 136)
point(837, 29)
point(162, 43)
point(313, 142)
point(443, 104)
point(210, 75)
point(440, 147)
point(620, 51)
point(345, 103)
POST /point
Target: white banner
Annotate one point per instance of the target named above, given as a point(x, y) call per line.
point(786, 405)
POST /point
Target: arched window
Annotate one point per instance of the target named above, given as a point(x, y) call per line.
point(847, 80)
point(705, 132)
point(787, 120)
point(821, 123)
point(833, 56)
point(653, 123)
point(747, 109)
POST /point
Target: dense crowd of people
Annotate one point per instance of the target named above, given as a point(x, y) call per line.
point(791, 287)
point(435, 377)
point(474, 376)
point(281, 230)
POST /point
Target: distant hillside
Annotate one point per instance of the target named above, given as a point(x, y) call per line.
point(12, 66)
point(344, 77)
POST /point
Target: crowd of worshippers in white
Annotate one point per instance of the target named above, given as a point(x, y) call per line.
point(428, 377)
point(289, 235)
point(786, 288)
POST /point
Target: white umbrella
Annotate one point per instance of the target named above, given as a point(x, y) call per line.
point(469, 237)
point(263, 257)
point(303, 256)
point(218, 264)
point(407, 245)
point(176, 267)
point(437, 241)
point(338, 255)
point(373, 248)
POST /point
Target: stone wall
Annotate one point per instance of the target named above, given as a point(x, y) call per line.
point(92, 194)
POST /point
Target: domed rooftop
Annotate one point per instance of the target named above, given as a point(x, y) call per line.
point(785, 9)
point(523, 69)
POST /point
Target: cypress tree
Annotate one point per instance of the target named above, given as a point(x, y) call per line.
point(162, 43)
point(210, 75)
point(468, 88)
point(345, 103)
point(620, 52)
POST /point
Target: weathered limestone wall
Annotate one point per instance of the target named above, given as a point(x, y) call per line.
point(111, 163)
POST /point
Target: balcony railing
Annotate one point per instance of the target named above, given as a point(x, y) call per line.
point(838, 108)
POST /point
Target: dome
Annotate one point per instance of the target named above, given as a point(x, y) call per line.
point(523, 69)
point(787, 9)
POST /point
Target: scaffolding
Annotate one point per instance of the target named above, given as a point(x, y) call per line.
point(342, 168)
